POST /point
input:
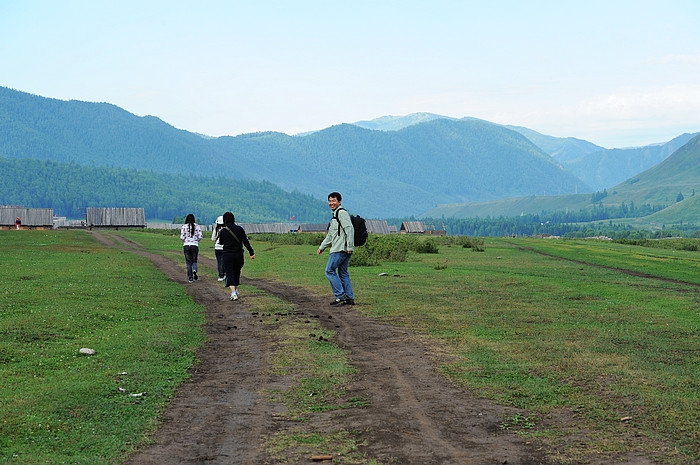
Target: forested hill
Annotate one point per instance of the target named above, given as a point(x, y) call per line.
point(99, 134)
point(381, 174)
point(69, 188)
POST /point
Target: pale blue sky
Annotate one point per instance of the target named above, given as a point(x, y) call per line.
point(614, 72)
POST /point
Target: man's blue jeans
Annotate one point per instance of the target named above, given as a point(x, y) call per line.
point(337, 274)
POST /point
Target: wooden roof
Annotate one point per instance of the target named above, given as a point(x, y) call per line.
point(417, 227)
point(377, 227)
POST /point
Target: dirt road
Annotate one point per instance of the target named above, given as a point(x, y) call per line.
point(415, 415)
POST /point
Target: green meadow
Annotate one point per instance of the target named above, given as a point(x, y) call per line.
point(590, 339)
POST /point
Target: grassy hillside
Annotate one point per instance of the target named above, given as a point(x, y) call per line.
point(658, 187)
point(607, 168)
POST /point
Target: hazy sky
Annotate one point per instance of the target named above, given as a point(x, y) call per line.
point(614, 72)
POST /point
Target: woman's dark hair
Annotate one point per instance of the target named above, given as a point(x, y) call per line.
point(229, 218)
point(189, 220)
point(336, 195)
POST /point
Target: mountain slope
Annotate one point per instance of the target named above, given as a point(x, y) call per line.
point(395, 123)
point(679, 173)
point(400, 173)
point(94, 133)
point(595, 166)
point(606, 168)
point(658, 186)
point(563, 149)
point(381, 174)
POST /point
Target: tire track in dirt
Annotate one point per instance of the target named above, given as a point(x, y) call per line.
point(216, 416)
point(415, 416)
point(637, 274)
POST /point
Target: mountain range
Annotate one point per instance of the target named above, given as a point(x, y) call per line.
point(595, 166)
point(667, 189)
point(385, 168)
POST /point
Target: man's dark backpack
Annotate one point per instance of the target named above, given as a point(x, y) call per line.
point(358, 224)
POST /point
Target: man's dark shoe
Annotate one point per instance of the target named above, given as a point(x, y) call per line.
point(338, 301)
point(349, 301)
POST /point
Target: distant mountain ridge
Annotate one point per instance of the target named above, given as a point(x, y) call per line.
point(381, 174)
point(595, 166)
point(395, 123)
point(386, 168)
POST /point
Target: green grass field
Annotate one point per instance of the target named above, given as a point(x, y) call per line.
point(552, 327)
point(62, 292)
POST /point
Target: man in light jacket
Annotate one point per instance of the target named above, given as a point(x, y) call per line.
point(340, 238)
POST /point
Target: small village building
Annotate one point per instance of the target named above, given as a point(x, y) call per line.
point(412, 227)
point(313, 228)
point(115, 218)
point(31, 218)
point(377, 227)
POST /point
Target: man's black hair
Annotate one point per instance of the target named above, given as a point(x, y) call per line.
point(336, 195)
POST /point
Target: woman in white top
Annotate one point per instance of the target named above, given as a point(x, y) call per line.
point(218, 248)
point(191, 234)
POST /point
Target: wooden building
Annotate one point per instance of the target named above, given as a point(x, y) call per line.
point(377, 227)
point(115, 218)
point(313, 228)
point(412, 227)
point(31, 218)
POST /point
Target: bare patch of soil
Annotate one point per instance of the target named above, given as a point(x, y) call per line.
point(415, 415)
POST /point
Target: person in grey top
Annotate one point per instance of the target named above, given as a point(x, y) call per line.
point(340, 238)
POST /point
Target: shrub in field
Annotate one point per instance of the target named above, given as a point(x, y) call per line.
point(427, 246)
point(467, 242)
point(281, 239)
point(474, 243)
point(375, 251)
point(290, 238)
point(390, 248)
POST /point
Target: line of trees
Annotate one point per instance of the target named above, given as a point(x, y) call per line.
point(70, 188)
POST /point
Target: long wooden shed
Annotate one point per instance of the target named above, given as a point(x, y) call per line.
point(115, 217)
point(31, 218)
